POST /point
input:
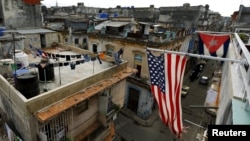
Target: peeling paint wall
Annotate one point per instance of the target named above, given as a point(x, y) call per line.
point(145, 101)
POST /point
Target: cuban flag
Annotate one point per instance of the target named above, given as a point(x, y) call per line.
point(214, 44)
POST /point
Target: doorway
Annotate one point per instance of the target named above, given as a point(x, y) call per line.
point(133, 99)
point(43, 40)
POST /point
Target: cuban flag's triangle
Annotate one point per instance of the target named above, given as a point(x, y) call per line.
point(214, 44)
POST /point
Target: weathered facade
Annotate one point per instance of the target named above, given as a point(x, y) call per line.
point(134, 51)
point(83, 109)
point(88, 100)
point(21, 18)
point(17, 11)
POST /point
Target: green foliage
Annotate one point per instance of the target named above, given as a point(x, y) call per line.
point(117, 107)
point(244, 38)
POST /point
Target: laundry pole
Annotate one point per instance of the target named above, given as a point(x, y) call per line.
point(199, 56)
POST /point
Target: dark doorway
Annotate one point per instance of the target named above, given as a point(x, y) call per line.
point(94, 48)
point(43, 40)
point(133, 99)
point(138, 74)
point(85, 44)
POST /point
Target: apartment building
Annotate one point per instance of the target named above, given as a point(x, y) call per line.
point(64, 97)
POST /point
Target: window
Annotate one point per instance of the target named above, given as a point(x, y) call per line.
point(57, 128)
point(246, 67)
point(110, 50)
point(84, 40)
point(76, 41)
point(138, 58)
point(85, 47)
point(138, 64)
point(59, 39)
point(94, 48)
point(133, 99)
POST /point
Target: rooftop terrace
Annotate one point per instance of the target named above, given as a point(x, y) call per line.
point(61, 67)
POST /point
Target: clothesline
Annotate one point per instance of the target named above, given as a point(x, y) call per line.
point(200, 56)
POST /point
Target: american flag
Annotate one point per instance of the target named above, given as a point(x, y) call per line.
point(166, 75)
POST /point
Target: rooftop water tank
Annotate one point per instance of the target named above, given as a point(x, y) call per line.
point(46, 71)
point(28, 85)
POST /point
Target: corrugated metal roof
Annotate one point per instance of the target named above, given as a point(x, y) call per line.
point(146, 23)
point(31, 31)
point(117, 24)
point(111, 23)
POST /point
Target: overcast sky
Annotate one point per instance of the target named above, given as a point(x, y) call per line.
point(224, 7)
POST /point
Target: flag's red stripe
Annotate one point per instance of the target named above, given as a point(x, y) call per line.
point(169, 91)
point(175, 66)
point(161, 101)
point(176, 60)
point(178, 97)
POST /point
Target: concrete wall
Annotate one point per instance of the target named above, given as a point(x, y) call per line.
point(85, 119)
point(35, 39)
point(20, 15)
point(13, 108)
point(50, 38)
point(118, 93)
point(226, 93)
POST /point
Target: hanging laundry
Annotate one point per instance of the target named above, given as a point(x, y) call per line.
point(82, 61)
point(77, 62)
point(49, 54)
point(93, 58)
point(60, 64)
point(72, 65)
point(120, 52)
point(67, 57)
point(117, 56)
point(86, 57)
point(65, 64)
point(37, 52)
point(53, 56)
point(102, 55)
point(100, 61)
point(78, 56)
point(62, 56)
